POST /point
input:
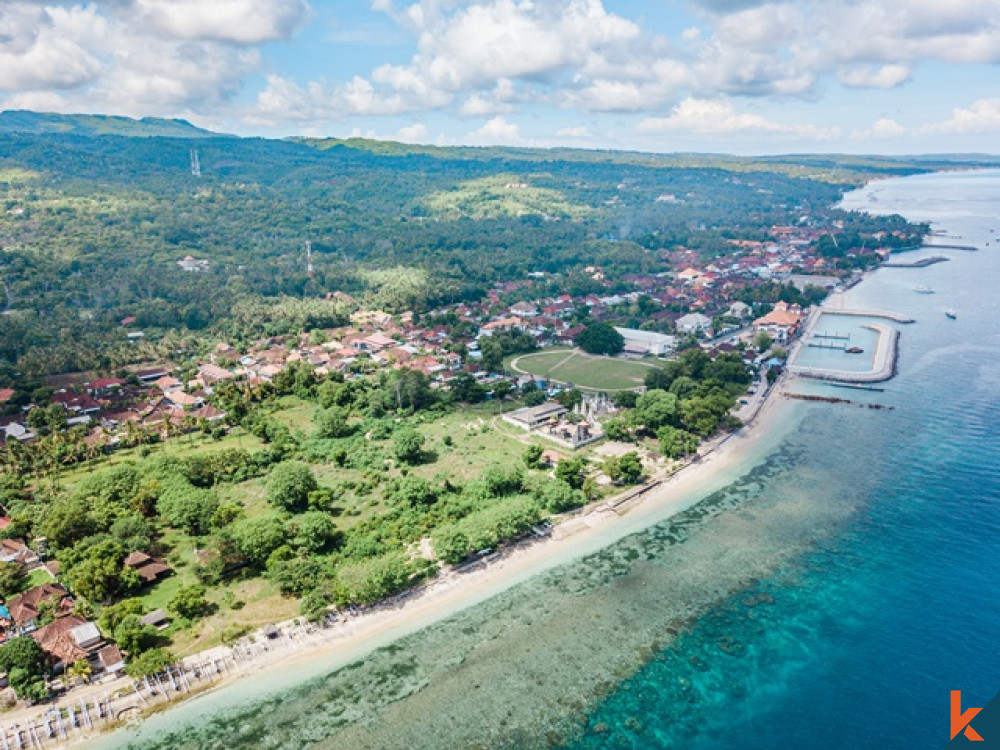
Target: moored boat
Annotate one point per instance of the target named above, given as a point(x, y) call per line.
point(923, 289)
point(951, 313)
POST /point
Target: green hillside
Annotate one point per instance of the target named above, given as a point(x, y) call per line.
point(23, 121)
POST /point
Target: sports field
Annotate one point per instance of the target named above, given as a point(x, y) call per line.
point(583, 370)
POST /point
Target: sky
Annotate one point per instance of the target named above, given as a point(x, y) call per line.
point(732, 76)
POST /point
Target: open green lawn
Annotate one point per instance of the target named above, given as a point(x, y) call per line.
point(296, 414)
point(37, 577)
point(192, 444)
point(584, 370)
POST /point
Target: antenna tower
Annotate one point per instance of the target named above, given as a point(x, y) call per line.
point(309, 258)
point(195, 163)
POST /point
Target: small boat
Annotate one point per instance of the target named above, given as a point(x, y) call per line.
point(923, 289)
point(854, 350)
point(951, 313)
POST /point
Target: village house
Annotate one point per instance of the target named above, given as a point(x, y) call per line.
point(190, 264)
point(152, 374)
point(150, 569)
point(524, 310)
point(781, 322)
point(104, 386)
point(111, 660)
point(210, 374)
point(25, 607)
point(14, 430)
point(80, 403)
point(693, 323)
point(16, 551)
point(69, 639)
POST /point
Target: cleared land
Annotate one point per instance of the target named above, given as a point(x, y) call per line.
point(583, 370)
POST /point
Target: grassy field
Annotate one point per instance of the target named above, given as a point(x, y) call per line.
point(583, 370)
point(192, 444)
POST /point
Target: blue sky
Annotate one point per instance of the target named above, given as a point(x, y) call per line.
point(737, 76)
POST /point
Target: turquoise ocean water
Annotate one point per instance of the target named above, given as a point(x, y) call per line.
point(830, 596)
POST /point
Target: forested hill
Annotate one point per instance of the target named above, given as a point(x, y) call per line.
point(24, 121)
point(92, 228)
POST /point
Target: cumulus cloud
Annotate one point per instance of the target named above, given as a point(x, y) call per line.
point(487, 59)
point(714, 117)
point(416, 133)
point(982, 116)
point(48, 48)
point(238, 21)
point(496, 132)
point(883, 77)
point(136, 57)
point(883, 129)
point(577, 131)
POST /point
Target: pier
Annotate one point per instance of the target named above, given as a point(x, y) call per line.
point(827, 345)
point(894, 317)
point(936, 246)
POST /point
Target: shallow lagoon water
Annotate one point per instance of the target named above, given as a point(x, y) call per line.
point(830, 596)
point(829, 330)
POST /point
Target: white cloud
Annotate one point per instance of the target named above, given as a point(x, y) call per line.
point(578, 131)
point(238, 21)
point(136, 57)
point(416, 133)
point(883, 77)
point(715, 117)
point(47, 48)
point(982, 116)
point(882, 129)
point(496, 132)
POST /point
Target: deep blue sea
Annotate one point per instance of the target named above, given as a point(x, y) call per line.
point(831, 595)
point(867, 637)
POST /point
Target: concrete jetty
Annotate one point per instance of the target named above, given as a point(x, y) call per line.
point(922, 263)
point(939, 246)
point(895, 317)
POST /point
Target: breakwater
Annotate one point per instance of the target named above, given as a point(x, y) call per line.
point(883, 365)
point(922, 263)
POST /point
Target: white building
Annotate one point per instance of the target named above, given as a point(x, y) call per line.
point(647, 342)
point(693, 323)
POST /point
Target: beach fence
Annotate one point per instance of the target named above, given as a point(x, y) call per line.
point(87, 710)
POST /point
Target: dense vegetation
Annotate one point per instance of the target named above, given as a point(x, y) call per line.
point(91, 227)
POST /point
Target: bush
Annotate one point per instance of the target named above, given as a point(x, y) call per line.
point(289, 486)
point(455, 541)
point(557, 497)
point(149, 663)
point(132, 636)
point(257, 538)
point(186, 507)
point(369, 580)
point(408, 445)
point(189, 602)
